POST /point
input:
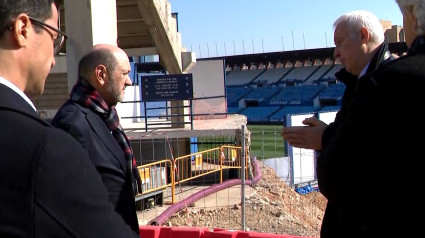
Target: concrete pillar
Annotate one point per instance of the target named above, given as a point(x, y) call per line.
point(88, 22)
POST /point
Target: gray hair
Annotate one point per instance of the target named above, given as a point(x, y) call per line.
point(418, 9)
point(356, 20)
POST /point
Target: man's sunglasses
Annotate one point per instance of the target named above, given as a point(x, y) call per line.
point(59, 41)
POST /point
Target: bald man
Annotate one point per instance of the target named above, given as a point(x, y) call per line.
point(90, 117)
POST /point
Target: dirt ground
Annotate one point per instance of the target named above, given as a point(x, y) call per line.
point(273, 207)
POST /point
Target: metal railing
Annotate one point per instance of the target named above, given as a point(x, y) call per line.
point(159, 175)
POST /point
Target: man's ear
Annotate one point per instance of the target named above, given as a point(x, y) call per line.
point(101, 74)
point(20, 30)
point(364, 34)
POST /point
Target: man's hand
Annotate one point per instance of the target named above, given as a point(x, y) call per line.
point(307, 137)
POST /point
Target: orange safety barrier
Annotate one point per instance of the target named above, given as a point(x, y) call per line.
point(153, 175)
point(203, 232)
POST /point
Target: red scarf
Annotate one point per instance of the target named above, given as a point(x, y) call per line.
point(84, 94)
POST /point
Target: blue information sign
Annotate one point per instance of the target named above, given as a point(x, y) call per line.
point(167, 87)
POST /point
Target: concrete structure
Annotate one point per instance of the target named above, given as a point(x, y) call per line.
point(143, 28)
point(395, 34)
point(140, 27)
point(149, 28)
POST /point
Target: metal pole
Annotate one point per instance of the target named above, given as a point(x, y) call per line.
point(208, 50)
point(191, 114)
point(243, 178)
point(326, 40)
point(262, 43)
point(146, 116)
point(293, 41)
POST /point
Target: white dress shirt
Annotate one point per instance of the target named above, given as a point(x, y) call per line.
point(17, 90)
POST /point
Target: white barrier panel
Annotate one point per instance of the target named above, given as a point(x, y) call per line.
point(327, 117)
point(303, 161)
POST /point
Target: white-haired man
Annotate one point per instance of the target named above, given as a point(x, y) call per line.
point(369, 170)
point(360, 47)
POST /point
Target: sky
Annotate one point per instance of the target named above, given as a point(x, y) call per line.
point(215, 28)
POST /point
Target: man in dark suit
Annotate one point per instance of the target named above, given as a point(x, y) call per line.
point(90, 117)
point(48, 187)
point(360, 46)
point(370, 169)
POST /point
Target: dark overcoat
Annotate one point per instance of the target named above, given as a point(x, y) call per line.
point(105, 153)
point(370, 170)
point(48, 187)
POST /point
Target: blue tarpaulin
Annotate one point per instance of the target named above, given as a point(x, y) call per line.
point(306, 189)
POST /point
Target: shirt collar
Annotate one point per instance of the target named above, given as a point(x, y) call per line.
point(386, 56)
point(10, 85)
point(364, 70)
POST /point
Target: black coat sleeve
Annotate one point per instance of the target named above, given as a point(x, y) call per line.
point(69, 194)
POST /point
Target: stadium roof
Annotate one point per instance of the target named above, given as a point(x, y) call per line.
point(398, 48)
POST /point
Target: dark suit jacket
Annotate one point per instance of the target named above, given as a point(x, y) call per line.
point(381, 58)
point(48, 187)
point(104, 152)
point(370, 170)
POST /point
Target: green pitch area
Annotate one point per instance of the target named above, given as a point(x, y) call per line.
point(266, 141)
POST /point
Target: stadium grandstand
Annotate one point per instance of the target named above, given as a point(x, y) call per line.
point(266, 87)
point(232, 91)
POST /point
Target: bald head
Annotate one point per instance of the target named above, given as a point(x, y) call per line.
point(105, 47)
point(106, 68)
point(100, 54)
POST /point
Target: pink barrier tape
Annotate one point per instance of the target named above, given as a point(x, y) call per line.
point(267, 235)
point(165, 232)
point(188, 232)
point(220, 234)
point(204, 232)
point(149, 231)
